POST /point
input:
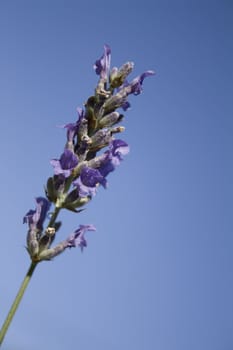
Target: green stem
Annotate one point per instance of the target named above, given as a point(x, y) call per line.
point(53, 217)
point(16, 302)
point(23, 286)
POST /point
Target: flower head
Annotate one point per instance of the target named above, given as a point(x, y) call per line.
point(81, 165)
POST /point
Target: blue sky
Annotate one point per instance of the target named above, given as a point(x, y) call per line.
point(157, 274)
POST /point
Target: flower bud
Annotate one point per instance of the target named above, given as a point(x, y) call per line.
point(100, 139)
point(32, 243)
point(117, 129)
point(47, 239)
point(115, 101)
point(48, 254)
point(113, 74)
point(110, 119)
point(118, 77)
point(50, 190)
point(74, 201)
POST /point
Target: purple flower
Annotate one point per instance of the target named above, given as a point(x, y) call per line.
point(119, 148)
point(88, 181)
point(77, 238)
point(102, 65)
point(35, 218)
point(73, 129)
point(113, 156)
point(136, 84)
point(83, 190)
point(99, 168)
point(65, 164)
point(91, 177)
point(125, 105)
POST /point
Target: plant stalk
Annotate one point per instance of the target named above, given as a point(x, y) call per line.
point(23, 286)
point(16, 302)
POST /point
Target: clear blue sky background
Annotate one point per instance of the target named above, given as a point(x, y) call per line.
point(158, 272)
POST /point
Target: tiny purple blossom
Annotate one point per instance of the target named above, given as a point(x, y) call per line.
point(35, 218)
point(102, 65)
point(91, 177)
point(83, 190)
point(119, 148)
point(113, 157)
point(77, 238)
point(125, 105)
point(73, 128)
point(136, 84)
point(88, 181)
point(65, 164)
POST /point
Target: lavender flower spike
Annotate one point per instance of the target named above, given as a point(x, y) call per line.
point(65, 164)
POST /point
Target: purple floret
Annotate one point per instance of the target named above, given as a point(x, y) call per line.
point(35, 218)
point(67, 162)
point(102, 65)
point(77, 238)
point(136, 84)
